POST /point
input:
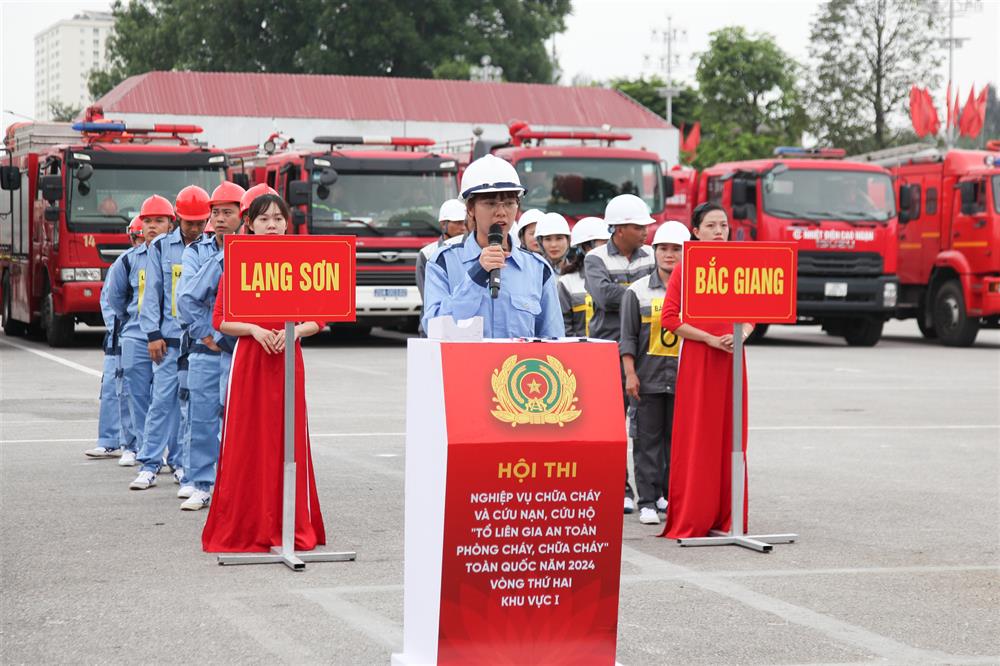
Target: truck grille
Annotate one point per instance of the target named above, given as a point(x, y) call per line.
point(109, 253)
point(840, 263)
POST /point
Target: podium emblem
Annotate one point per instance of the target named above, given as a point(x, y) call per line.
point(534, 392)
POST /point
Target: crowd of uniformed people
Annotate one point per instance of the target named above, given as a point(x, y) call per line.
point(529, 276)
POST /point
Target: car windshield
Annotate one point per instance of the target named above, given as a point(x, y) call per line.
point(379, 204)
point(996, 194)
point(112, 196)
point(583, 186)
point(820, 194)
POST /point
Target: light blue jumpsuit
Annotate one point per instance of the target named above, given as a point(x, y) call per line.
point(158, 321)
point(113, 423)
point(196, 302)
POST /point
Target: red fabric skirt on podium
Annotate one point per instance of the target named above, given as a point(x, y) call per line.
point(245, 513)
point(700, 485)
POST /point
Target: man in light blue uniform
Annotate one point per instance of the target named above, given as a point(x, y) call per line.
point(159, 323)
point(196, 302)
point(114, 436)
point(125, 289)
point(457, 280)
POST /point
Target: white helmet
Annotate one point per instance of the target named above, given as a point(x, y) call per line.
point(627, 209)
point(552, 224)
point(589, 229)
point(671, 232)
point(452, 210)
point(490, 174)
point(532, 216)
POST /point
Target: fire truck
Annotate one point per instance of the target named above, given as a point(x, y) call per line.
point(842, 215)
point(949, 238)
point(577, 180)
point(68, 194)
point(386, 191)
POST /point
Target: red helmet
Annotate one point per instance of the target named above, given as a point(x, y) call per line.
point(192, 204)
point(135, 226)
point(253, 193)
point(156, 206)
point(209, 227)
point(227, 192)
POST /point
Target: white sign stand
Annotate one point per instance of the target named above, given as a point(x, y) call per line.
point(286, 553)
point(737, 535)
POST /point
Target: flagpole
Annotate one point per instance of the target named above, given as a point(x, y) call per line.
point(949, 135)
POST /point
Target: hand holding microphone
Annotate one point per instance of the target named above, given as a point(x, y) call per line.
point(493, 258)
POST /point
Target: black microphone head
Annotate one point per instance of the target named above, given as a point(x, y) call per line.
point(495, 235)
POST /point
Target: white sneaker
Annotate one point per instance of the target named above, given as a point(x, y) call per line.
point(198, 500)
point(648, 516)
point(185, 491)
point(661, 505)
point(101, 452)
point(629, 505)
point(143, 481)
point(179, 476)
point(127, 459)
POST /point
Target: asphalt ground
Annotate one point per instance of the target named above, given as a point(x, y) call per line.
point(883, 460)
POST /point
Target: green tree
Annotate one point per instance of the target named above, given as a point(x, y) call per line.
point(359, 37)
point(63, 113)
point(686, 108)
point(750, 100)
point(868, 54)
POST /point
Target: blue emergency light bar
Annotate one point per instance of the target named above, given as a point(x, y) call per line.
point(99, 127)
point(135, 129)
point(792, 151)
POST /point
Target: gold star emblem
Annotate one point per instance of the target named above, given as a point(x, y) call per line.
point(534, 386)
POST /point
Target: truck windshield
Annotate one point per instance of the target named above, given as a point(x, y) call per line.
point(583, 186)
point(996, 194)
point(112, 196)
point(821, 194)
point(380, 204)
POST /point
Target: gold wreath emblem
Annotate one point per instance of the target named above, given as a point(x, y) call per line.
point(550, 396)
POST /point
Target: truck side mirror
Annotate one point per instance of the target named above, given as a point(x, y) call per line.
point(298, 218)
point(52, 213)
point(739, 193)
point(51, 187)
point(241, 179)
point(905, 203)
point(668, 187)
point(84, 172)
point(298, 193)
point(967, 190)
point(10, 178)
point(327, 176)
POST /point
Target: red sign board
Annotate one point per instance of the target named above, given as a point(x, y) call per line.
point(289, 278)
point(533, 517)
point(751, 282)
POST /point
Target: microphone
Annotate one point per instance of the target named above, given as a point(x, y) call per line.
point(495, 237)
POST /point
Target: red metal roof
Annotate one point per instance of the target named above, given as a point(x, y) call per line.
point(373, 98)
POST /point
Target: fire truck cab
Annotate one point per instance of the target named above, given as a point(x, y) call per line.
point(68, 194)
point(578, 179)
point(841, 214)
point(949, 238)
point(388, 198)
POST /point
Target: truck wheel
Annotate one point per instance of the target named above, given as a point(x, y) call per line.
point(951, 322)
point(759, 331)
point(11, 326)
point(926, 330)
point(58, 328)
point(863, 331)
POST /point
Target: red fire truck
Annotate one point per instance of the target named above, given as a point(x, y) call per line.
point(389, 198)
point(842, 214)
point(68, 194)
point(579, 180)
point(949, 238)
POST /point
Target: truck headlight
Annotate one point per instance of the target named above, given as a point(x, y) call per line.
point(889, 294)
point(80, 274)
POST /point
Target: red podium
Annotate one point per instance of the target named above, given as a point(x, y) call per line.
point(515, 458)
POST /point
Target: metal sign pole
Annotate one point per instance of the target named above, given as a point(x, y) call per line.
point(737, 531)
point(286, 553)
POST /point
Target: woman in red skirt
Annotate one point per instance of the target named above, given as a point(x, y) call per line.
point(245, 513)
point(702, 438)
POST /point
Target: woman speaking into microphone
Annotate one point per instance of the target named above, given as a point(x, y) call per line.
point(513, 290)
point(245, 512)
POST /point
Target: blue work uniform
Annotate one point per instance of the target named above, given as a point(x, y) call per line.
point(110, 433)
point(196, 295)
point(158, 321)
point(125, 289)
point(527, 306)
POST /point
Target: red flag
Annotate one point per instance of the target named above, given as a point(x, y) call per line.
point(947, 106)
point(917, 113)
point(933, 120)
point(693, 139)
point(956, 113)
point(970, 116)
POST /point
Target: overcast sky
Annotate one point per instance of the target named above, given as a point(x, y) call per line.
point(603, 38)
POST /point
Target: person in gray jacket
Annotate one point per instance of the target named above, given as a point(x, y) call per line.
point(649, 358)
point(611, 268)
